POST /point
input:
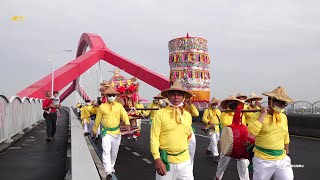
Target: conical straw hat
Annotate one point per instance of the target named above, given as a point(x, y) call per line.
point(159, 96)
point(241, 95)
point(176, 87)
point(253, 96)
point(111, 90)
point(280, 94)
point(214, 100)
point(224, 103)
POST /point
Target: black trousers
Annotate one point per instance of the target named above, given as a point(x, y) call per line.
point(51, 122)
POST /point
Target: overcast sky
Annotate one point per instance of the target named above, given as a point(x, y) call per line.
point(254, 46)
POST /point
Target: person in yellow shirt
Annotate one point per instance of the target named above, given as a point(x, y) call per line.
point(242, 97)
point(154, 105)
point(188, 106)
point(78, 106)
point(109, 115)
point(93, 114)
point(254, 104)
point(140, 113)
point(85, 117)
point(169, 133)
point(272, 139)
point(211, 117)
point(226, 118)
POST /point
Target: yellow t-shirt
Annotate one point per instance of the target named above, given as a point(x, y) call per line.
point(210, 115)
point(151, 112)
point(168, 134)
point(249, 115)
point(94, 109)
point(191, 109)
point(139, 105)
point(109, 115)
point(85, 112)
point(226, 119)
point(270, 135)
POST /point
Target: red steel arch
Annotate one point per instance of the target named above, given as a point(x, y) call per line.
point(84, 60)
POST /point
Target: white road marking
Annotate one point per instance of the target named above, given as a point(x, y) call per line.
point(135, 153)
point(201, 135)
point(127, 148)
point(13, 148)
point(147, 161)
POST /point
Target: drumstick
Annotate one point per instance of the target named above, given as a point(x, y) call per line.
point(246, 110)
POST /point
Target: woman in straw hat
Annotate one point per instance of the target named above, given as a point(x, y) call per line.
point(109, 115)
point(272, 139)
point(226, 119)
point(170, 130)
point(211, 117)
point(154, 105)
point(254, 104)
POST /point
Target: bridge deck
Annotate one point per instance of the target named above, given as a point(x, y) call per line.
point(32, 157)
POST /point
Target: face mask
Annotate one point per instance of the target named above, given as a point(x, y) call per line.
point(111, 99)
point(88, 104)
point(233, 106)
point(215, 106)
point(253, 103)
point(277, 109)
point(179, 105)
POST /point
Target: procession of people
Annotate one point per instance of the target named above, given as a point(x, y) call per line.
point(173, 140)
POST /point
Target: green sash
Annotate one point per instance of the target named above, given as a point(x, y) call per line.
point(164, 157)
point(105, 129)
point(220, 126)
point(193, 129)
point(270, 152)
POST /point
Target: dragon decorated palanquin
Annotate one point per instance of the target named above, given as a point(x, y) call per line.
point(128, 88)
point(189, 63)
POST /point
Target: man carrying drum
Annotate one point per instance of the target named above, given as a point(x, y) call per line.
point(170, 130)
point(271, 151)
point(109, 115)
point(211, 117)
point(226, 118)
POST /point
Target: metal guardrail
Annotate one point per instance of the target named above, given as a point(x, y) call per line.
point(17, 114)
point(301, 107)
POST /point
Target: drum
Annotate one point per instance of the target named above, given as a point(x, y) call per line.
point(234, 141)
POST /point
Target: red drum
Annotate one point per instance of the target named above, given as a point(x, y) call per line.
point(235, 139)
point(234, 142)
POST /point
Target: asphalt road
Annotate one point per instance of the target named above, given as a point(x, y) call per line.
point(33, 158)
point(135, 160)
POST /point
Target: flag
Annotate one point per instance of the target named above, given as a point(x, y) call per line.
point(17, 18)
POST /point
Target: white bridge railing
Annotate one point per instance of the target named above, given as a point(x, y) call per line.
point(17, 114)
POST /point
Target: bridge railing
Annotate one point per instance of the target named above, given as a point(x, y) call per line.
point(300, 107)
point(17, 114)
